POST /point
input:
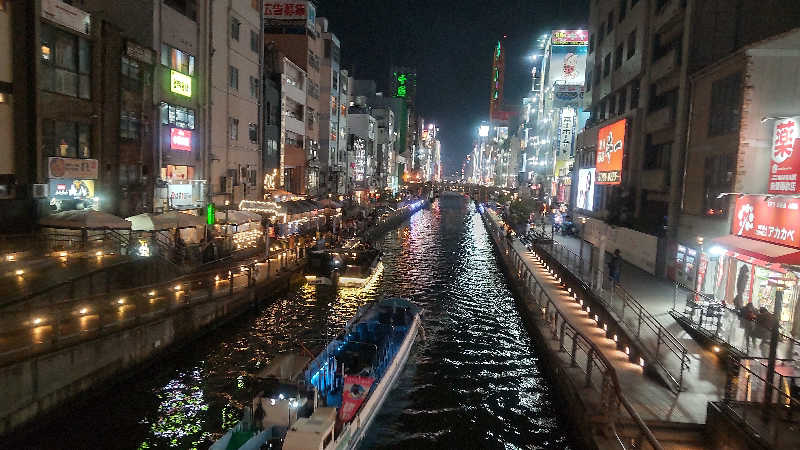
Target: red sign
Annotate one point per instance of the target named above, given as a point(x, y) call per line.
point(610, 149)
point(785, 164)
point(355, 392)
point(773, 220)
point(180, 139)
point(284, 10)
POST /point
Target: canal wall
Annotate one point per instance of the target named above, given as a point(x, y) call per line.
point(377, 231)
point(45, 383)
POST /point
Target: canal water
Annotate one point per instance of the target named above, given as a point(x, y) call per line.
point(472, 382)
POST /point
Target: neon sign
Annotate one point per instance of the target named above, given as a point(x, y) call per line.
point(180, 84)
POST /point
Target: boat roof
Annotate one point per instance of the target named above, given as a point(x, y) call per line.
point(286, 366)
point(308, 433)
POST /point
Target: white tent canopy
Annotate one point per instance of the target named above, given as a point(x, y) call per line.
point(86, 218)
point(237, 217)
point(166, 221)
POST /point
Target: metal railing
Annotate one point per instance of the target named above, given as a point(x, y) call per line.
point(652, 336)
point(773, 421)
point(598, 372)
point(721, 322)
point(28, 329)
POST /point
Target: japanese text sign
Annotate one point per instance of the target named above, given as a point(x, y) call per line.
point(72, 168)
point(180, 84)
point(570, 37)
point(773, 220)
point(785, 164)
point(280, 10)
point(180, 139)
point(610, 149)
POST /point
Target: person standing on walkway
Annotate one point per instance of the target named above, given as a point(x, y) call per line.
point(748, 318)
point(614, 267)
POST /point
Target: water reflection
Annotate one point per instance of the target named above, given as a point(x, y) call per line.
point(473, 382)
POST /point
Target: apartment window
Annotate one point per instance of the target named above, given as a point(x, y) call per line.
point(310, 116)
point(591, 42)
point(66, 139)
point(186, 7)
point(177, 116)
point(606, 65)
point(252, 132)
point(601, 115)
point(610, 21)
point(129, 126)
point(268, 114)
point(313, 89)
point(725, 105)
point(657, 156)
point(132, 75)
point(623, 6)
point(631, 44)
point(177, 60)
point(294, 139)
point(254, 85)
point(235, 26)
point(335, 80)
point(635, 94)
point(718, 176)
point(233, 78)
point(622, 98)
point(313, 60)
point(66, 63)
point(618, 57)
point(233, 128)
point(254, 41)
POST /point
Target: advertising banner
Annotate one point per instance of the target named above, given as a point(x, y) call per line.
point(776, 220)
point(180, 139)
point(71, 168)
point(567, 65)
point(566, 132)
point(355, 392)
point(288, 10)
point(180, 195)
point(610, 149)
point(72, 188)
point(180, 84)
point(570, 37)
point(785, 164)
point(585, 195)
point(565, 95)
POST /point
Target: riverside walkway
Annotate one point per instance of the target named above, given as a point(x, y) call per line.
point(653, 400)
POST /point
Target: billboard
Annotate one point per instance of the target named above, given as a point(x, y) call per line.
point(610, 150)
point(72, 168)
point(776, 220)
point(585, 196)
point(570, 37)
point(565, 133)
point(785, 164)
point(567, 65)
point(180, 195)
point(180, 84)
point(180, 139)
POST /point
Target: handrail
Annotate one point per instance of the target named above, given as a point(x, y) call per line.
point(663, 335)
point(593, 352)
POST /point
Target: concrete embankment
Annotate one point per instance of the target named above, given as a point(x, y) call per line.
point(71, 371)
point(44, 382)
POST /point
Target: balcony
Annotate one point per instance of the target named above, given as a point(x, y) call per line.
point(665, 65)
point(294, 93)
point(668, 13)
point(660, 119)
point(654, 180)
point(295, 125)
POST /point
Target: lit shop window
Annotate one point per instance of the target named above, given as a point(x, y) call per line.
point(66, 139)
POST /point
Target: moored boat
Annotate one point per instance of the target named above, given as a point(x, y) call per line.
point(330, 402)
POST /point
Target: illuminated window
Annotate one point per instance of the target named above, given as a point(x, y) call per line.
point(66, 139)
point(66, 63)
point(177, 116)
point(177, 60)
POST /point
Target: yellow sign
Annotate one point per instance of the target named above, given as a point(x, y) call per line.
point(180, 84)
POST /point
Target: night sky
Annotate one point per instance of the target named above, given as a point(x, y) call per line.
point(450, 43)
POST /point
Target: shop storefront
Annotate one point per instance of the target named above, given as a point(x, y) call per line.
point(764, 243)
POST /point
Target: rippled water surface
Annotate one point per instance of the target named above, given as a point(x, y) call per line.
point(472, 382)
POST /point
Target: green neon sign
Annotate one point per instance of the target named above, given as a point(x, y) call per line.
point(497, 55)
point(211, 214)
point(402, 86)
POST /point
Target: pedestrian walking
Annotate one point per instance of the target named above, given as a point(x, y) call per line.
point(614, 267)
point(748, 317)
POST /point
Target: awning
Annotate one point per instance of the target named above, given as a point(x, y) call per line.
point(764, 251)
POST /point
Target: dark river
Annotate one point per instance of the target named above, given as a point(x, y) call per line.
point(473, 382)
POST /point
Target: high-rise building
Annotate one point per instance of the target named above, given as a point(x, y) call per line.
point(235, 141)
point(330, 158)
point(293, 28)
point(641, 57)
